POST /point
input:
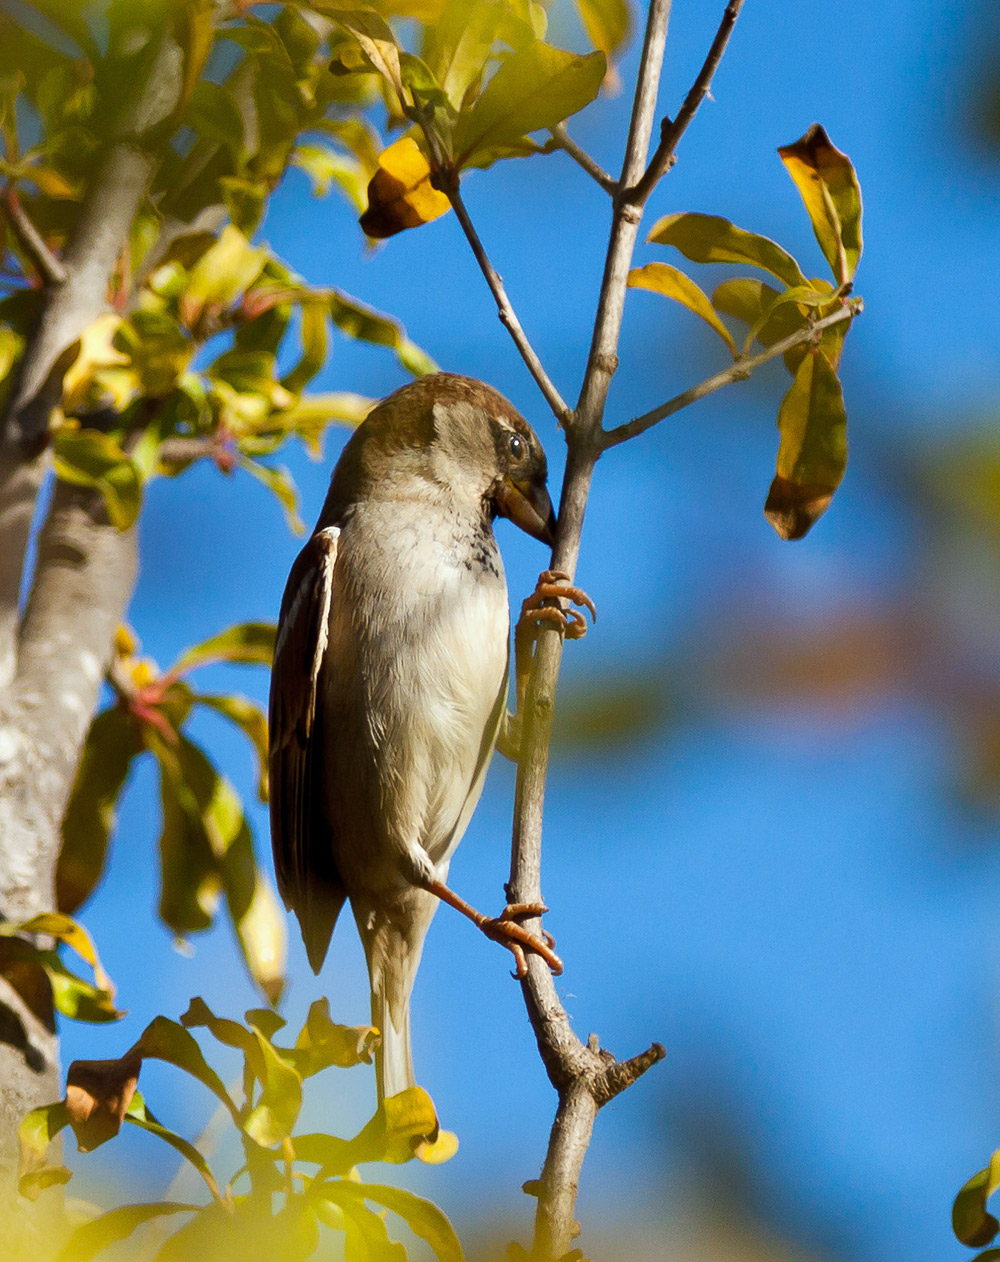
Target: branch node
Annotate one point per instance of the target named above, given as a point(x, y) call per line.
point(622, 1074)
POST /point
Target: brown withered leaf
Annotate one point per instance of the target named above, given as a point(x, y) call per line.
point(400, 193)
point(98, 1093)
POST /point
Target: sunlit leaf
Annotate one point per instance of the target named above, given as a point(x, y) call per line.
point(87, 1241)
point(277, 1111)
point(400, 193)
point(322, 1042)
point(458, 46)
point(422, 1217)
point(88, 457)
point(248, 642)
point(711, 239)
point(829, 188)
point(69, 931)
point(812, 454)
point(221, 274)
point(113, 741)
point(535, 88)
point(608, 24)
point(661, 278)
point(377, 42)
point(971, 1221)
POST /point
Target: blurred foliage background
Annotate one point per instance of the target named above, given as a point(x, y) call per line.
point(772, 825)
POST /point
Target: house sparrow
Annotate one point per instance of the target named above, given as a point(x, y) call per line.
point(390, 680)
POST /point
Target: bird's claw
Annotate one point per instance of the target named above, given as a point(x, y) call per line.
point(506, 930)
point(555, 585)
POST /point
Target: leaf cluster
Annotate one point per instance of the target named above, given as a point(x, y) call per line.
point(289, 1185)
point(812, 421)
point(206, 847)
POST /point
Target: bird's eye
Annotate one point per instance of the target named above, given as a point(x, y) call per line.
point(516, 447)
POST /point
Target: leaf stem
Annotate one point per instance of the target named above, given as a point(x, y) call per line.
point(508, 315)
point(739, 371)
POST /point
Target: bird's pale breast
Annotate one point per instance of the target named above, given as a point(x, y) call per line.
point(416, 663)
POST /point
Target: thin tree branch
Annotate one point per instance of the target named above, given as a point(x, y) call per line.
point(671, 133)
point(48, 267)
point(508, 316)
point(603, 358)
point(561, 139)
point(738, 371)
point(579, 1072)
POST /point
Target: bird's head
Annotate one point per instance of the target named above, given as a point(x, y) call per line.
point(446, 435)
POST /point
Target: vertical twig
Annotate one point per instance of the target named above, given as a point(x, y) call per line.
point(580, 1073)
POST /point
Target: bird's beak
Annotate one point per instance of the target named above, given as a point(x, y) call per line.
point(527, 504)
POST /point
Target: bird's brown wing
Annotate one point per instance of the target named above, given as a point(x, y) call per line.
point(300, 835)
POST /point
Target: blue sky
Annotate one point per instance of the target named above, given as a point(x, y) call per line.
point(790, 902)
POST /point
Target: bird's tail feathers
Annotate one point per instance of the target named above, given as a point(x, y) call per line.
point(393, 1059)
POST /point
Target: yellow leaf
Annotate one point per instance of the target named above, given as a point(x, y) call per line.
point(661, 278)
point(400, 194)
point(829, 188)
point(95, 351)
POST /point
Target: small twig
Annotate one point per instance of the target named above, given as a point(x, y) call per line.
point(48, 267)
point(663, 158)
point(508, 316)
point(739, 371)
point(561, 139)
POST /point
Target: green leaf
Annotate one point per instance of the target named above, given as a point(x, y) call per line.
point(214, 114)
point(972, 1223)
point(247, 642)
point(251, 720)
point(140, 1116)
point(281, 484)
point(118, 1224)
point(113, 741)
point(661, 278)
point(315, 344)
point(88, 457)
point(812, 454)
point(535, 88)
point(190, 881)
point(829, 188)
point(165, 1040)
point(711, 239)
point(36, 1132)
point(422, 1217)
point(366, 1236)
point(458, 45)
